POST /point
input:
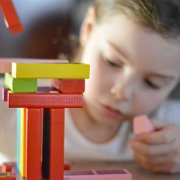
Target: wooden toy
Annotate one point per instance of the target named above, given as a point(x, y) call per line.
point(10, 16)
point(113, 174)
point(40, 121)
point(7, 176)
point(6, 63)
point(20, 84)
point(7, 166)
point(69, 85)
point(44, 100)
point(142, 124)
point(50, 70)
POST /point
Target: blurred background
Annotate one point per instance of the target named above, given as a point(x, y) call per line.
point(48, 27)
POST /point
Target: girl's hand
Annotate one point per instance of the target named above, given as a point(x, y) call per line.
point(159, 151)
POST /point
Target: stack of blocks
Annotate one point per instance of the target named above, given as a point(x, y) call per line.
point(36, 157)
point(40, 119)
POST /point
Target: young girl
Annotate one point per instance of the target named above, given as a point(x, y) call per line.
point(133, 48)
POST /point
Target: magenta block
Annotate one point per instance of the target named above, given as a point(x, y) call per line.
point(111, 174)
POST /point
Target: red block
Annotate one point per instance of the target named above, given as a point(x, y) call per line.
point(10, 16)
point(67, 166)
point(7, 167)
point(69, 85)
point(44, 100)
point(7, 176)
point(33, 144)
point(56, 144)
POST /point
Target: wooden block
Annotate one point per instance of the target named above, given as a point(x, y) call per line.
point(7, 176)
point(50, 70)
point(142, 124)
point(4, 93)
point(7, 166)
point(34, 129)
point(23, 124)
point(56, 143)
point(110, 174)
point(46, 145)
point(69, 85)
point(18, 138)
point(67, 166)
point(44, 100)
point(10, 16)
point(20, 84)
point(6, 63)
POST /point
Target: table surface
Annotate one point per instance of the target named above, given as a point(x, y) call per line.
point(137, 172)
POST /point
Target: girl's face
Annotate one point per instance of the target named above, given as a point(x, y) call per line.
point(133, 69)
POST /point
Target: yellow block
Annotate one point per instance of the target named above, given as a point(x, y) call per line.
point(50, 70)
point(22, 141)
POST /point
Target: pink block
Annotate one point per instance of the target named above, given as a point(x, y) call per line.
point(142, 124)
point(114, 174)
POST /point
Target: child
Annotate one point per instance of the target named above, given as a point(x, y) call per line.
point(133, 48)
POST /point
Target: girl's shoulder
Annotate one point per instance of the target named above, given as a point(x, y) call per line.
point(169, 111)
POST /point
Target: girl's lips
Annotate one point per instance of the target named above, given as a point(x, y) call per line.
point(115, 114)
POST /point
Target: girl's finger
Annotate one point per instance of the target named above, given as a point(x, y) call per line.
point(163, 136)
point(167, 167)
point(161, 159)
point(152, 150)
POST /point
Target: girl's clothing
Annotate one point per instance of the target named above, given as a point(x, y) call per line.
point(78, 148)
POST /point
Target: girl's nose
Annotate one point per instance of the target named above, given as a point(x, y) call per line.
point(125, 87)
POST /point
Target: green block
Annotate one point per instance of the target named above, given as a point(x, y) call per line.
point(20, 84)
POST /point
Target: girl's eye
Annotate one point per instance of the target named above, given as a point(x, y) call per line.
point(111, 63)
point(151, 84)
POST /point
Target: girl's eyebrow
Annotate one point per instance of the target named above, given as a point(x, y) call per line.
point(164, 76)
point(118, 49)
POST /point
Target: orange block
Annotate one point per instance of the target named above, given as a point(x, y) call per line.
point(56, 144)
point(7, 176)
point(45, 100)
point(7, 167)
point(33, 143)
point(10, 16)
point(67, 166)
point(69, 85)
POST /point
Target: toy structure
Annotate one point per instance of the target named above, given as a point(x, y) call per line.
point(40, 113)
point(40, 120)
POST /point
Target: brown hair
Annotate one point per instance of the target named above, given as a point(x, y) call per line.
point(163, 16)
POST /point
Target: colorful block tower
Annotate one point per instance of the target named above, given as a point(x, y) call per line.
point(40, 123)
